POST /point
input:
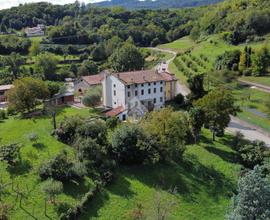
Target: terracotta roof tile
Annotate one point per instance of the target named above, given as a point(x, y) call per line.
point(168, 76)
point(115, 111)
point(94, 79)
point(138, 77)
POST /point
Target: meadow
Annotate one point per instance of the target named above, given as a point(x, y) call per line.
point(198, 187)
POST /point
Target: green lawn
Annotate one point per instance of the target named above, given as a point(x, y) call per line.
point(179, 45)
point(205, 181)
point(25, 174)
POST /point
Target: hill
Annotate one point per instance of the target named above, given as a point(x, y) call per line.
point(158, 4)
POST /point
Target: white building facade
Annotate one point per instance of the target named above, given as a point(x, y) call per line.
point(136, 92)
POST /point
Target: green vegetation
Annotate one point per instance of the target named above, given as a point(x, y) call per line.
point(205, 178)
point(24, 175)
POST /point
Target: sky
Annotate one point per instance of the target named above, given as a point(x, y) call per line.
point(10, 3)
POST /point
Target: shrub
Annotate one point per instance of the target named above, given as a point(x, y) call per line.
point(52, 188)
point(132, 146)
point(10, 153)
point(252, 154)
point(95, 129)
point(67, 130)
point(3, 114)
point(179, 99)
point(33, 137)
point(112, 122)
point(58, 168)
point(92, 97)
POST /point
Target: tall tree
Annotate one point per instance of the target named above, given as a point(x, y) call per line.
point(26, 94)
point(261, 60)
point(127, 58)
point(253, 198)
point(46, 65)
point(14, 63)
point(217, 105)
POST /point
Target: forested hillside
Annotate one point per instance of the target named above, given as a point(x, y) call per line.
point(240, 20)
point(136, 4)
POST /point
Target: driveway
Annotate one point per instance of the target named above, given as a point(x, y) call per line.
point(249, 131)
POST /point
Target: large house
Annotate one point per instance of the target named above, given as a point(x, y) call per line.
point(131, 94)
point(35, 31)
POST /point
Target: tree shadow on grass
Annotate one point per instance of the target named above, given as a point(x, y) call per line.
point(39, 146)
point(20, 168)
point(120, 187)
point(76, 189)
point(225, 155)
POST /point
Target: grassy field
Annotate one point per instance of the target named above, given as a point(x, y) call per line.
point(25, 175)
point(205, 181)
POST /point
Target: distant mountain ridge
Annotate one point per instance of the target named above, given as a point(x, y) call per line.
point(155, 4)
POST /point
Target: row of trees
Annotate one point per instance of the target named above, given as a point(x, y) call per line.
point(248, 61)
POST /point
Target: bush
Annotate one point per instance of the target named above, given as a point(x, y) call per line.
point(3, 115)
point(10, 153)
point(58, 168)
point(132, 146)
point(253, 154)
point(179, 99)
point(33, 137)
point(67, 130)
point(112, 122)
point(92, 97)
point(52, 188)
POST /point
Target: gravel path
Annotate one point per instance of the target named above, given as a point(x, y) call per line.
point(249, 131)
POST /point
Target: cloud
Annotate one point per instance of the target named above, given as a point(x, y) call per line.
point(11, 3)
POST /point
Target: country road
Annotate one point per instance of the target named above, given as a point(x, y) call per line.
point(249, 131)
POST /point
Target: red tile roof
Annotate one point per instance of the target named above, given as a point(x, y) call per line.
point(115, 111)
point(94, 79)
point(168, 76)
point(138, 77)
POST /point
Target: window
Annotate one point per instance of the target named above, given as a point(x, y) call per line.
point(155, 90)
point(128, 86)
point(161, 83)
point(114, 92)
point(155, 83)
point(161, 89)
point(142, 85)
point(149, 91)
point(114, 85)
point(161, 99)
point(136, 93)
point(136, 85)
point(149, 84)
point(123, 117)
point(115, 103)
point(128, 94)
point(155, 100)
point(142, 92)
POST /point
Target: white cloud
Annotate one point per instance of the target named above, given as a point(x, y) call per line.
point(10, 3)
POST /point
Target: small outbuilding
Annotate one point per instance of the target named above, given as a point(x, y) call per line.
point(62, 99)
